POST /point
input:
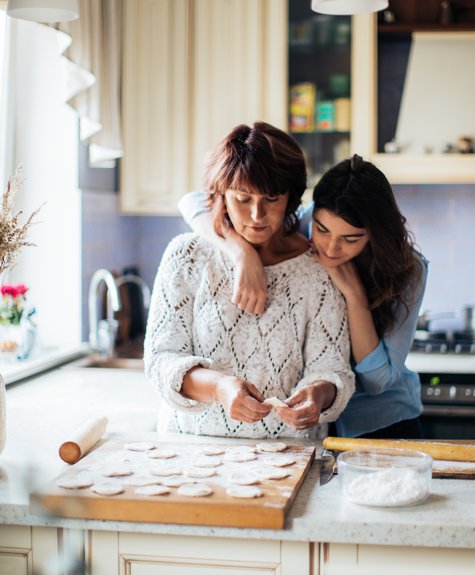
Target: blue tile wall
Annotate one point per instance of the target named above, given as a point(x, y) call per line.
point(442, 219)
point(113, 241)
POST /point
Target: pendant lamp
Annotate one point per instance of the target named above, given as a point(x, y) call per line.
point(44, 10)
point(348, 7)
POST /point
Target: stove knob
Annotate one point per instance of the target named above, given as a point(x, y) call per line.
point(430, 391)
point(437, 391)
point(443, 348)
point(428, 347)
point(452, 392)
point(468, 392)
point(458, 348)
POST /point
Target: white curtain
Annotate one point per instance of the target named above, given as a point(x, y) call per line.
point(92, 50)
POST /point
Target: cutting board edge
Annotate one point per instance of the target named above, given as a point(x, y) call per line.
point(250, 517)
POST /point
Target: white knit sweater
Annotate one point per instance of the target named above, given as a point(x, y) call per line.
point(302, 337)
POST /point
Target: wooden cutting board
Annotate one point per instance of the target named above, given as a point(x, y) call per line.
point(266, 512)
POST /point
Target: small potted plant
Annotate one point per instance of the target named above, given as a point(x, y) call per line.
point(13, 237)
point(12, 303)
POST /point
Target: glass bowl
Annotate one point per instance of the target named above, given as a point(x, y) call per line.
point(385, 477)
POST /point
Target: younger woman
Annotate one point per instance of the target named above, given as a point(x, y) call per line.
point(360, 237)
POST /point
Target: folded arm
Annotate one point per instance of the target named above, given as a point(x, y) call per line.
point(250, 282)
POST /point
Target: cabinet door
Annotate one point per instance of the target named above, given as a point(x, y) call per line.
point(15, 550)
point(240, 69)
point(376, 559)
point(176, 555)
point(155, 108)
point(192, 71)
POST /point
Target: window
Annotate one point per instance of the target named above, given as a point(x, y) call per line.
point(41, 132)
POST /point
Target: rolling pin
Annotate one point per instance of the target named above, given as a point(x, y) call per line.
point(437, 450)
point(83, 439)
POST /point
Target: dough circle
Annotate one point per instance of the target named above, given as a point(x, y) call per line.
point(117, 471)
point(75, 482)
point(282, 461)
point(161, 453)
point(240, 456)
point(207, 461)
point(176, 481)
point(140, 446)
point(152, 490)
point(200, 472)
point(271, 447)
point(244, 491)
point(242, 478)
point(195, 490)
point(274, 402)
point(107, 488)
point(276, 473)
point(212, 450)
point(165, 471)
point(141, 481)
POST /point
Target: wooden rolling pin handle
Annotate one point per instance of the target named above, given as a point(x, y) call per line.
point(437, 450)
point(83, 439)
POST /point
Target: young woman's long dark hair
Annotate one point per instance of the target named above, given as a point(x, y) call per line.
point(258, 158)
point(389, 266)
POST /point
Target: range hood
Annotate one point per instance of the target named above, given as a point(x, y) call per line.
point(438, 100)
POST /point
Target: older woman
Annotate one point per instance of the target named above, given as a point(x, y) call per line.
point(213, 363)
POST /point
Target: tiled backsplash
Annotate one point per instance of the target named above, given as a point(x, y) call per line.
point(442, 219)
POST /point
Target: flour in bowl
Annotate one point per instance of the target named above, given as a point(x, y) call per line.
point(387, 488)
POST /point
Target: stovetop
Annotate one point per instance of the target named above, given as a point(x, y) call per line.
point(459, 342)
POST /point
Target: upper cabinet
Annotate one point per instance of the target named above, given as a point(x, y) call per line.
point(397, 88)
point(192, 71)
point(413, 85)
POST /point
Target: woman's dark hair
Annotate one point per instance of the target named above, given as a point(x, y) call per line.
point(260, 159)
point(359, 193)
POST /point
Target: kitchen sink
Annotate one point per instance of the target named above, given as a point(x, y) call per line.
point(134, 363)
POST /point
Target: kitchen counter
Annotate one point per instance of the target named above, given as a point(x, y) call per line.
point(41, 412)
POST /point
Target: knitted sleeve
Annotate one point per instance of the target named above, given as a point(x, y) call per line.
point(327, 347)
point(168, 348)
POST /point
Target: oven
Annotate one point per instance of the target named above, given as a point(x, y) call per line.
point(445, 361)
point(449, 405)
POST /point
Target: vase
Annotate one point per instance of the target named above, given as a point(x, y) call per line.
point(3, 415)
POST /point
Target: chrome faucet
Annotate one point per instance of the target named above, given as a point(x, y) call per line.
point(102, 334)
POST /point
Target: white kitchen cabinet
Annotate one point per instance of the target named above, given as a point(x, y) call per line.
point(15, 550)
point(28, 550)
point(142, 554)
point(338, 559)
point(193, 70)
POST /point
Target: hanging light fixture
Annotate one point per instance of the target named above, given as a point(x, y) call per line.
point(348, 7)
point(44, 10)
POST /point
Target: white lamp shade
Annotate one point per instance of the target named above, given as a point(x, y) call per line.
point(44, 10)
point(348, 7)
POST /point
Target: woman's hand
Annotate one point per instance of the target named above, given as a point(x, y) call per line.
point(345, 277)
point(306, 405)
point(241, 400)
point(250, 280)
point(250, 283)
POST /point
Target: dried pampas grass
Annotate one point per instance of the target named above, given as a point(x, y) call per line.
point(12, 234)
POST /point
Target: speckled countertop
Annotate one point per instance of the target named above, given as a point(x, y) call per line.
point(42, 412)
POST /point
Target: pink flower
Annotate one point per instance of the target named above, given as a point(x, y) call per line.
point(14, 291)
